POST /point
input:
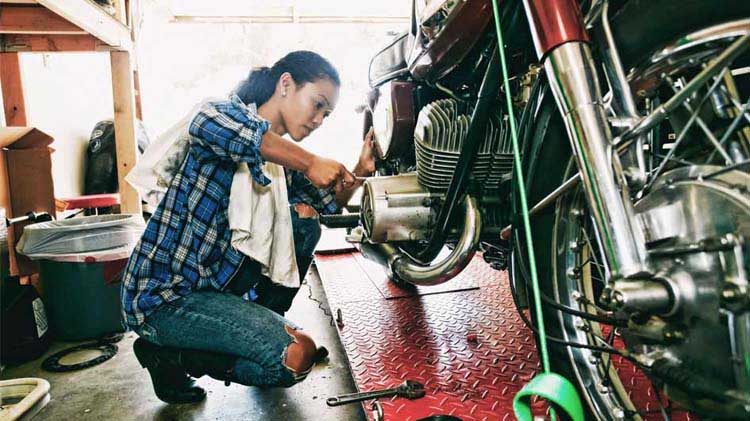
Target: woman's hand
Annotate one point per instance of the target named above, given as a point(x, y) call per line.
point(369, 154)
point(326, 173)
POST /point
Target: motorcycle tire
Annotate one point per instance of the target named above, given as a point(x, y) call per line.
point(640, 27)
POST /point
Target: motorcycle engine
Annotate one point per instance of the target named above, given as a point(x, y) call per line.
point(439, 137)
point(403, 207)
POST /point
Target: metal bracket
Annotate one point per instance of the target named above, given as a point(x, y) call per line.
point(7, 47)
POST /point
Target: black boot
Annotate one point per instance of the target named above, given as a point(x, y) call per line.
point(216, 365)
point(170, 380)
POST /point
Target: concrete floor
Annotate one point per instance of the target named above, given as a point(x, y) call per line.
point(119, 389)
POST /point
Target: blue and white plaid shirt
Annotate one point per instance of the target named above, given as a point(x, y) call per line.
point(187, 242)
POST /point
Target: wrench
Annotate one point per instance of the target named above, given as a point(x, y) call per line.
point(408, 389)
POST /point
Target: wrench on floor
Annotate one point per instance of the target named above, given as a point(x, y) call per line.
point(408, 389)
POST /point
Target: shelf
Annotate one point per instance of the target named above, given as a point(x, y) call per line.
point(65, 26)
point(60, 25)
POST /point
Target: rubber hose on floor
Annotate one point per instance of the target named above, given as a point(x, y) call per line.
point(106, 345)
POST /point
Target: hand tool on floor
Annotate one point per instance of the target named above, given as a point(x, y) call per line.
point(408, 389)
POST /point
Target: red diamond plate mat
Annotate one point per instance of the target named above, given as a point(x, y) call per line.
point(469, 347)
point(390, 290)
point(333, 241)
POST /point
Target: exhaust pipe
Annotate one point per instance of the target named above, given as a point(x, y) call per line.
point(402, 266)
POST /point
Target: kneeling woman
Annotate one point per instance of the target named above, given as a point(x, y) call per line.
point(184, 284)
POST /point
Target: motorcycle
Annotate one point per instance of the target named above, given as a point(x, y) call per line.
point(635, 138)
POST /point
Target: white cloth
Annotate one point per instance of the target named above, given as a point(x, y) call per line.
point(261, 223)
point(159, 163)
point(259, 216)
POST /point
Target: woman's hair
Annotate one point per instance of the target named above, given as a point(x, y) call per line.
point(304, 66)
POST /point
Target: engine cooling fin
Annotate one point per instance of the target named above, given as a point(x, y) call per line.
point(440, 134)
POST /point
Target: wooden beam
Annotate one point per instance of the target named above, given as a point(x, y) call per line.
point(34, 20)
point(93, 19)
point(34, 43)
point(127, 150)
point(137, 92)
point(12, 87)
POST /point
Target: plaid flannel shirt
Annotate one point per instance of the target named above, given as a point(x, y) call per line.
point(187, 242)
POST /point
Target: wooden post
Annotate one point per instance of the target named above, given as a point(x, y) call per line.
point(127, 151)
point(132, 12)
point(12, 87)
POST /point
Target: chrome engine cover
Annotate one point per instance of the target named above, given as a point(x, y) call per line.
point(397, 208)
point(691, 223)
point(439, 136)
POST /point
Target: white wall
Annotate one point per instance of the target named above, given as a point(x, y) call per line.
point(181, 63)
point(66, 95)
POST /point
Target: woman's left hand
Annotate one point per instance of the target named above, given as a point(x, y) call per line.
point(370, 153)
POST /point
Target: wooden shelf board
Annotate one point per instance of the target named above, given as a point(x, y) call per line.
point(82, 16)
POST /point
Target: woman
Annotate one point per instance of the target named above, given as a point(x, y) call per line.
point(184, 282)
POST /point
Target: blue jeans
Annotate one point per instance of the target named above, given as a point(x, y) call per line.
point(225, 323)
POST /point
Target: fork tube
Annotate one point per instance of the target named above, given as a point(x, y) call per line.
point(570, 70)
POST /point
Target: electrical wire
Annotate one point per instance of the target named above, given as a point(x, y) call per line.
point(321, 304)
point(583, 314)
point(608, 350)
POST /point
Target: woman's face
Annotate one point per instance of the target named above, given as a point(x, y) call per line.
point(304, 107)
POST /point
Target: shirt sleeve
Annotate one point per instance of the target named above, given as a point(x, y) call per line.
point(229, 130)
point(301, 190)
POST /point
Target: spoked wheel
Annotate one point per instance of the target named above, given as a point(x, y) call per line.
point(628, 363)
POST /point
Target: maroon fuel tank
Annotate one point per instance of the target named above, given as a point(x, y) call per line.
point(435, 55)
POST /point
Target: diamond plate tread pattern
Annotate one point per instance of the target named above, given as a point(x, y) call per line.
point(344, 280)
point(379, 278)
point(469, 348)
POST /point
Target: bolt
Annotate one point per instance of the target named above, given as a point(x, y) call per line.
point(594, 360)
point(582, 326)
point(576, 295)
point(730, 294)
point(641, 93)
point(618, 299)
point(574, 246)
point(618, 413)
point(603, 390)
point(674, 335)
point(339, 318)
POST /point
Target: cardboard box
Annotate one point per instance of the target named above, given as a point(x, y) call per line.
point(25, 184)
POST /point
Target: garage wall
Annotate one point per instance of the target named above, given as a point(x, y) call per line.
point(180, 63)
point(66, 95)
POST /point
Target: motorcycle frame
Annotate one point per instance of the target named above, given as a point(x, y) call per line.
point(562, 46)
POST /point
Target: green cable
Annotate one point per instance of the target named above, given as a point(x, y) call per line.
point(522, 192)
point(554, 388)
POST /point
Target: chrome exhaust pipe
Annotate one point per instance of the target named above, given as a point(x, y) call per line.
point(402, 266)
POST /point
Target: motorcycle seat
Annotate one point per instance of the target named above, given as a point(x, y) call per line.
point(390, 62)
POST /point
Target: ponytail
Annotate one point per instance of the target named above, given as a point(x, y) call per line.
point(304, 66)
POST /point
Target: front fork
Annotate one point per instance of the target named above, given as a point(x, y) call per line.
point(562, 44)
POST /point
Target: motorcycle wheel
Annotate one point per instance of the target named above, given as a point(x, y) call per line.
point(568, 258)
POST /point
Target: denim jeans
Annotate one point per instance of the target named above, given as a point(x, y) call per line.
point(223, 322)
